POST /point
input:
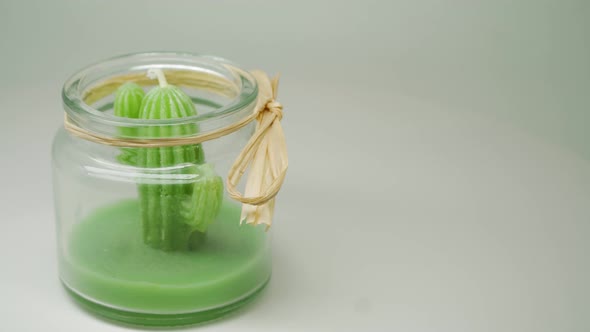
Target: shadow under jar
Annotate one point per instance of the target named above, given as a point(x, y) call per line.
point(133, 243)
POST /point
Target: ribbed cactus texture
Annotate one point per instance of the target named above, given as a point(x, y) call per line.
point(128, 98)
point(175, 216)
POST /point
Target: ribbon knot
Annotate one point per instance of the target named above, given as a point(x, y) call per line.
point(274, 107)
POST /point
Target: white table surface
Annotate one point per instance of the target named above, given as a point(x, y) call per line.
point(440, 157)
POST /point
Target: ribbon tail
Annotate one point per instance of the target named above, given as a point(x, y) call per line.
point(254, 184)
point(265, 158)
point(277, 150)
point(264, 212)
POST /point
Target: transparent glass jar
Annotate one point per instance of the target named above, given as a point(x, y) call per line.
point(106, 208)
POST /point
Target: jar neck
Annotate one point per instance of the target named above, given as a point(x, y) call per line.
point(221, 91)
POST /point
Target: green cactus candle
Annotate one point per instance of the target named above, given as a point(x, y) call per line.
point(175, 216)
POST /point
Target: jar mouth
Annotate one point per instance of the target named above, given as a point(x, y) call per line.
point(229, 88)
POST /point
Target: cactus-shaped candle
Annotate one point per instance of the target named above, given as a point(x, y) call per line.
point(175, 216)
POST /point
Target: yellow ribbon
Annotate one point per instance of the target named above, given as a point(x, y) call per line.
point(265, 154)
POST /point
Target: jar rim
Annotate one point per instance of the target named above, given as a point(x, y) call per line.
point(79, 83)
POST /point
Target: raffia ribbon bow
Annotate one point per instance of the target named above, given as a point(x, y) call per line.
point(266, 154)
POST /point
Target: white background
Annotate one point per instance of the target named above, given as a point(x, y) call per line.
point(439, 176)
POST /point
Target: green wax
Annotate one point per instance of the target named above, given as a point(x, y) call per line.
point(107, 262)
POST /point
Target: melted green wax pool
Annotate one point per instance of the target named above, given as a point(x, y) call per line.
point(107, 262)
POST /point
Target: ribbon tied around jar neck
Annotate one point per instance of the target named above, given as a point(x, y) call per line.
point(265, 154)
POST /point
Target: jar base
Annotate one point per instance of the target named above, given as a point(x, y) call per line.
point(161, 320)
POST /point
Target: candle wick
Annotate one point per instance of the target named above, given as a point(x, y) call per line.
point(159, 74)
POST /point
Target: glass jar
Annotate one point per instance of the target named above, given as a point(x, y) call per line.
point(129, 246)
